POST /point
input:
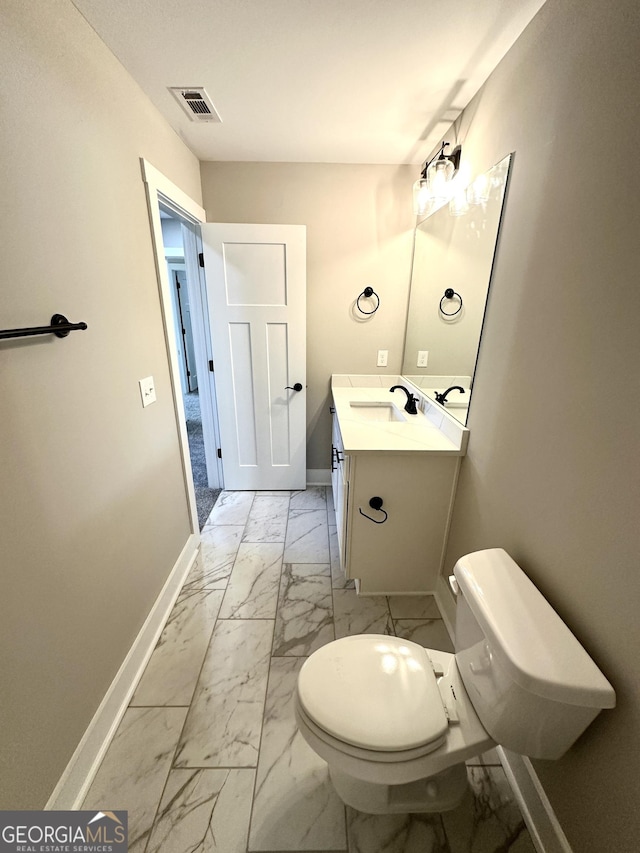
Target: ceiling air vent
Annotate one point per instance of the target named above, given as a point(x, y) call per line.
point(196, 103)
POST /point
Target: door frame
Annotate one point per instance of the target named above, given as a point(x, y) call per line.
point(203, 352)
point(159, 188)
point(174, 266)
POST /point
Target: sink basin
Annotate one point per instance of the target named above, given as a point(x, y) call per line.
point(377, 412)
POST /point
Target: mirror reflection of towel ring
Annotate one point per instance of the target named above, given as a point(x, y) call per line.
point(450, 294)
point(368, 292)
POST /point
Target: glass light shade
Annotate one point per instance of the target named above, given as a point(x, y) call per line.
point(422, 197)
point(439, 176)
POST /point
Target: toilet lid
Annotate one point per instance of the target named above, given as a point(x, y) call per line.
point(373, 691)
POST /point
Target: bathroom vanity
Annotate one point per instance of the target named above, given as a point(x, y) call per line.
point(411, 463)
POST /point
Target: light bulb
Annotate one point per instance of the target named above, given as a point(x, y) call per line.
point(422, 197)
point(439, 176)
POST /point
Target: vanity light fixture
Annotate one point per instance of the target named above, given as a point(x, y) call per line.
point(433, 187)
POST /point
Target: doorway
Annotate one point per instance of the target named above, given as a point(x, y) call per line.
point(194, 396)
point(186, 287)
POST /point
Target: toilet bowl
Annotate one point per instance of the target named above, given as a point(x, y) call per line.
point(395, 722)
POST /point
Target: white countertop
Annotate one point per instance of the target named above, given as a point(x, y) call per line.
point(432, 432)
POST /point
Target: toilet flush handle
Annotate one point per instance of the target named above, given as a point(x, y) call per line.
point(453, 583)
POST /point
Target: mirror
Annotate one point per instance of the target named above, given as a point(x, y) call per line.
point(453, 257)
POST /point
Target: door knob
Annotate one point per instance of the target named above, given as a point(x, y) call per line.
point(296, 387)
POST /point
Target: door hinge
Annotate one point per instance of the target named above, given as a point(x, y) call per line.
point(201, 259)
point(211, 365)
point(219, 453)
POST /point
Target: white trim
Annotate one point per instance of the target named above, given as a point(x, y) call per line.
point(161, 184)
point(318, 477)
point(78, 775)
point(541, 820)
point(155, 182)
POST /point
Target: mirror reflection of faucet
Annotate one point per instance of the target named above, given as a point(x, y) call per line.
point(442, 398)
point(410, 405)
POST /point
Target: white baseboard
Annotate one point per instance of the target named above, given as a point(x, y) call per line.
point(543, 825)
point(74, 783)
point(318, 477)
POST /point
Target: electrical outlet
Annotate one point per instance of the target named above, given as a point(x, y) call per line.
point(383, 356)
point(147, 391)
point(423, 358)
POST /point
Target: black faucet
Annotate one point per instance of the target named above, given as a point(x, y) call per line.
point(442, 398)
point(410, 406)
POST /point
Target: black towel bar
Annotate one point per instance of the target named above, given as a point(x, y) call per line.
point(60, 327)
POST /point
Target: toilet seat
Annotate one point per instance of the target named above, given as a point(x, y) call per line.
point(464, 738)
point(372, 693)
point(377, 756)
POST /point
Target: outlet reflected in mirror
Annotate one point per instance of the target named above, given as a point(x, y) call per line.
point(454, 249)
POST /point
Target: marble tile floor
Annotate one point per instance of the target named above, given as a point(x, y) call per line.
point(207, 756)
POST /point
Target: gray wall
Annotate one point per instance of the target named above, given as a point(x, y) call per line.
point(92, 497)
point(552, 472)
point(359, 222)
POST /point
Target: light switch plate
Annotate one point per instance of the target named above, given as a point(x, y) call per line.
point(423, 358)
point(147, 391)
point(383, 357)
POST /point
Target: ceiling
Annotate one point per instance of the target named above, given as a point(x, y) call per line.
point(312, 81)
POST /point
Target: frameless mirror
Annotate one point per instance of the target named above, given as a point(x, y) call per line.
point(454, 250)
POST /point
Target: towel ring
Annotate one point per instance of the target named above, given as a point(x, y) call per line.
point(368, 292)
point(450, 294)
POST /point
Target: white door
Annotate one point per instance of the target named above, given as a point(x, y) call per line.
point(256, 288)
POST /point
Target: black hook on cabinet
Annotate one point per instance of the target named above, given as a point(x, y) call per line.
point(368, 292)
point(450, 294)
point(375, 503)
point(60, 327)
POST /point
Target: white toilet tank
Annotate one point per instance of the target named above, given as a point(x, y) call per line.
point(532, 684)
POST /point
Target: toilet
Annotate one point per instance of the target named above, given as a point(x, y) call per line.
point(395, 722)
